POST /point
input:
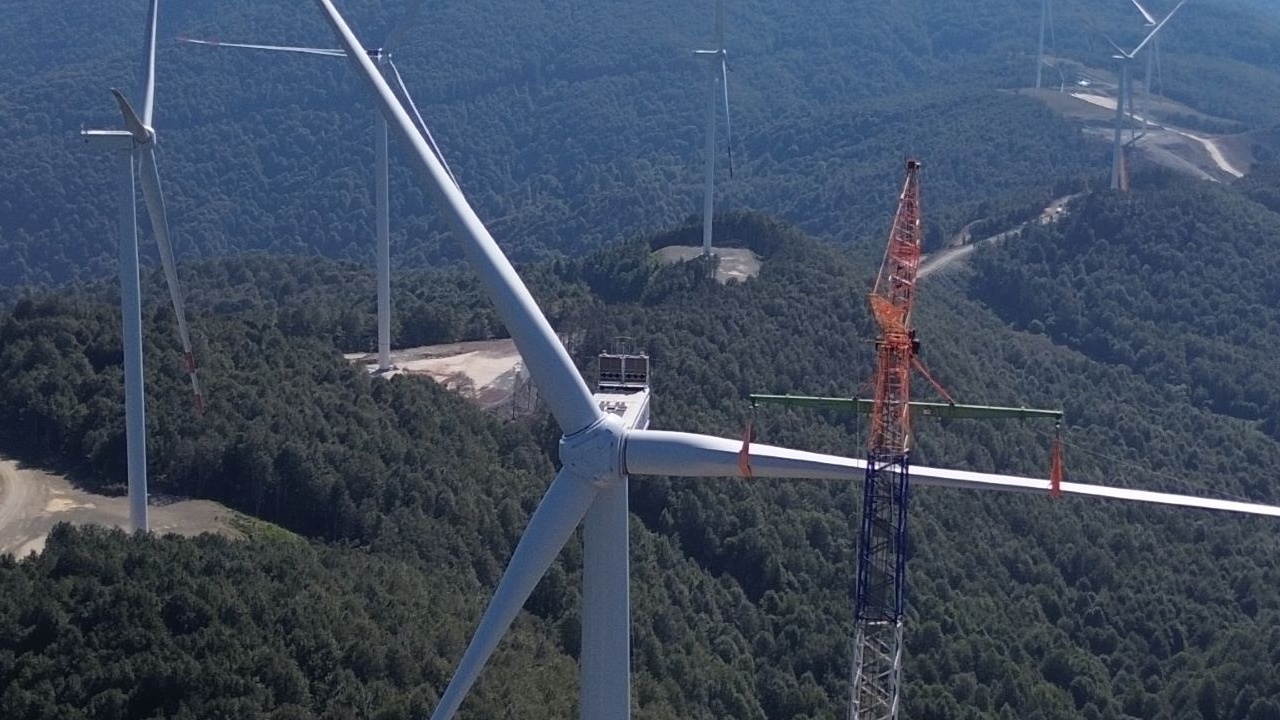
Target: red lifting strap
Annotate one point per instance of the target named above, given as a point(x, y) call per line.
point(744, 455)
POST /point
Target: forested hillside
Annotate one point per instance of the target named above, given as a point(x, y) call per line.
point(1021, 607)
point(390, 508)
point(568, 125)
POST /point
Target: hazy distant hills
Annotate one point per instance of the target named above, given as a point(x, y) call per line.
point(568, 124)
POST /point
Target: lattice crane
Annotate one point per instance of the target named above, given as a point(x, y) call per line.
point(879, 603)
point(880, 593)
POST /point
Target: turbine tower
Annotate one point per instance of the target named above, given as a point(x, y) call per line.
point(382, 56)
point(1119, 174)
point(136, 145)
point(600, 450)
point(715, 76)
point(1044, 19)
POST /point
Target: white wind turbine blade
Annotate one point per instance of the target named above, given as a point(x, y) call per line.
point(549, 363)
point(330, 52)
point(557, 516)
point(149, 66)
point(941, 477)
point(160, 225)
point(663, 452)
point(145, 146)
point(422, 124)
point(1151, 20)
point(1159, 26)
point(728, 125)
point(141, 133)
point(1093, 26)
point(1113, 44)
point(659, 452)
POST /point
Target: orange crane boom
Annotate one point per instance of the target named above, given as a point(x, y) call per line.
point(880, 593)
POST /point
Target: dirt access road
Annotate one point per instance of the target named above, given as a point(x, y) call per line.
point(33, 501)
point(1210, 145)
point(963, 245)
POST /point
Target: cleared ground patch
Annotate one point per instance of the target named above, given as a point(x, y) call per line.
point(735, 263)
point(488, 372)
point(32, 501)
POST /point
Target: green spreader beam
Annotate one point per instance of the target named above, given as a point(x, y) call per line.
point(918, 409)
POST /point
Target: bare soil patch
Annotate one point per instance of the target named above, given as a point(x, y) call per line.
point(32, 501)
point(734, 263)
point(488, 372)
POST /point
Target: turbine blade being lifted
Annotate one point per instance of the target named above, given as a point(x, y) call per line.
point(663, 452)
point(557, 516)
point(728, 125)
point(331, 52)
point(149, 66)
point(397, 33)
point(422, 124)
point(559, 381)
point(940, 477)
point(160, 225)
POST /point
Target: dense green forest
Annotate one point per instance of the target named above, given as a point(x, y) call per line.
point(568, 125)
point(1021, 607)
point(576, 130)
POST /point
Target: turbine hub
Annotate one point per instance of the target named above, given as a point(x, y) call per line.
point(595, 453)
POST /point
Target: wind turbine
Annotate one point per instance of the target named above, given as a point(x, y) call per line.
point(1118, 181)
point(599, 451)
point(136, 144)
point(714, 78)
point(382, 55)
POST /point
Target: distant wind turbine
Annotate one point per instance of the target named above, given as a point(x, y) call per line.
point(1044, 16)
point(136, 144)
point(1118, 171)
point(381, 56)
point(714, 94)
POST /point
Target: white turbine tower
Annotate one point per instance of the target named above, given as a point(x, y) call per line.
point(136, 144)
point(1118, 171)
point(382, 55)
point(1044, 19)
point(600, 450)
point(715, 77)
